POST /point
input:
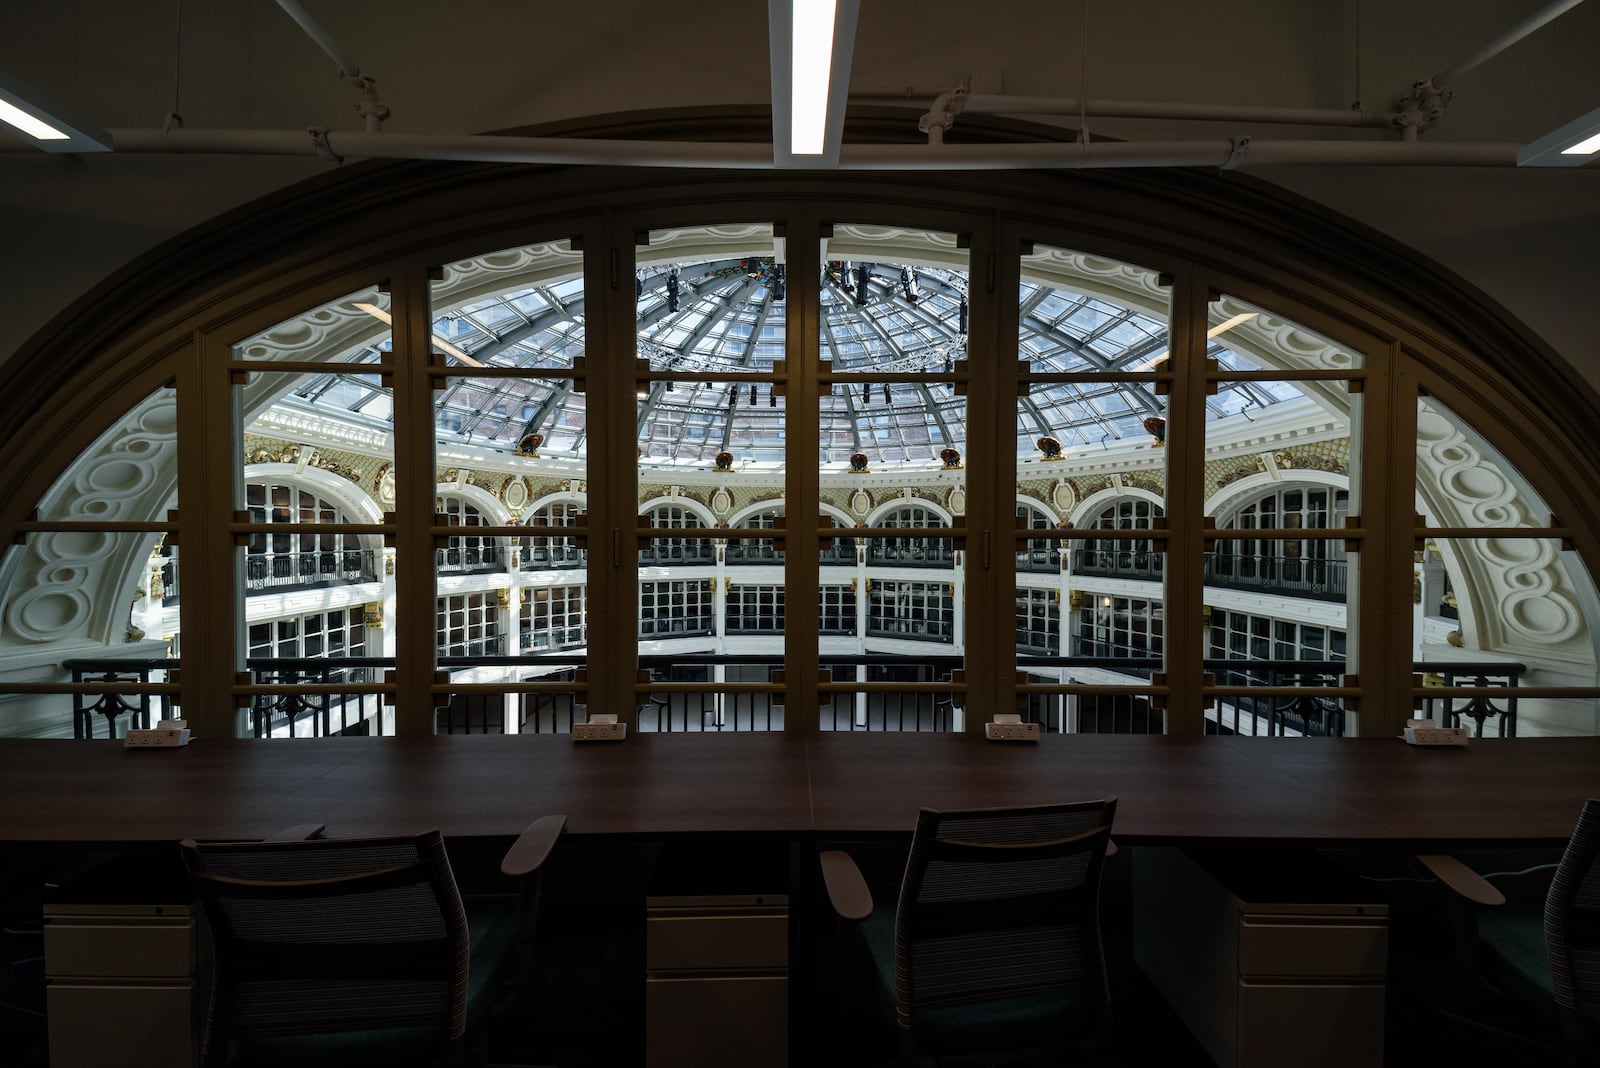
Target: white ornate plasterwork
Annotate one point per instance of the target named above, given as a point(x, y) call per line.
point(78, 585)
point(1515, 593)
point(509, 269)
point(694, 243)
point(1113, 280)
point(322, 333)
point(895, 244)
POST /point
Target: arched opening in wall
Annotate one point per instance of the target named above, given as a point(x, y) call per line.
point(1204, 454)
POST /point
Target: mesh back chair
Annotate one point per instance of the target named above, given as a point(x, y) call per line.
point(357, 951)
point(1539, 956)
point(994, 948)
point(1572, 930)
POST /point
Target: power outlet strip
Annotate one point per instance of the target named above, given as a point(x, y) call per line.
point(599, 732)
point(1011, 732)
point(156, 738)
point(1456, 736)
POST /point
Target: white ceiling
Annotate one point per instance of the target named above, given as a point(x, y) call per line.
point(480, 65)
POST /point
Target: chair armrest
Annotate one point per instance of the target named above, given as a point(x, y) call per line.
point(1460, 879)
point(300, 832)
point(532, 846)
point(847, 890)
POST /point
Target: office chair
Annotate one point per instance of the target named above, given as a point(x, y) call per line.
point(357, 951)
point(1548, 956)
point(993, 951)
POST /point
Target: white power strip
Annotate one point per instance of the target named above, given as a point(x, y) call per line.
point(1456, 736)
point(599, 732)
point(1011, 732)
point(156, 738)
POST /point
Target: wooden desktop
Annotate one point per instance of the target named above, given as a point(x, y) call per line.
point(1171, 790)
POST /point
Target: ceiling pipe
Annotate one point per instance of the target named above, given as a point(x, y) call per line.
point(1243, 152)
point(1133, 109)
point(1504, 41)
point(1424, 104)
point(371, 109)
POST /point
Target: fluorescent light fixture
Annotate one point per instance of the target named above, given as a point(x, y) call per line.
point(811, 62)
point(1574, 145)
point(811, 44)
point(43, 124)
point(388, 320)
point(1584, 148)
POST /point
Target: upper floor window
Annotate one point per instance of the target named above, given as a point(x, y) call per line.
point(288, 560)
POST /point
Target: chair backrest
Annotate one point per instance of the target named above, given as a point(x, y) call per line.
point(1572, 915)
point(334, 935)
point(1001, 904)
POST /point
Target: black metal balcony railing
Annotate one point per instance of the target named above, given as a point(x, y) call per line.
point(325, 713)
point(1030, 640)
point(698, 551)
point(554, 638)
point(541, 712)
point(267, 571)
point(1136, 660)
point(1323, 580)
point(709, 710)
point(142, 709)
point(889, 710)
point(1039, 558)
point(839, 551)
point(918, 630)
point(469, 559)
point(1309, 715)
point(692, 626)
point(1449, 711)
point(475, 648)
point(911, 554)
point(759, 551)
point(553, 558)
point(1121, 562)
point(318, 713)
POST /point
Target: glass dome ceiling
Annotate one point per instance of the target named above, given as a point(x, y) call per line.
point(722, 318)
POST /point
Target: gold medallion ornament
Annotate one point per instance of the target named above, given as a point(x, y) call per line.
point(385, 484)
point(515, 493)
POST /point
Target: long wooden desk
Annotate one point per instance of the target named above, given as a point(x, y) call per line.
point(831, 785)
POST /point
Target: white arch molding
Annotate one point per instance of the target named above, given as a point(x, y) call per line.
point(1514, 595)
point(79, 586)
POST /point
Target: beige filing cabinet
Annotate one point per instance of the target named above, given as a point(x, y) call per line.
point(717, 981)
point(1269, 962)
point(121, 951)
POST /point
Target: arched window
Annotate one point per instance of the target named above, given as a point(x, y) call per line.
point(305, 559)
point(1124, 559)
point(756, 550)
point(468, 553)
point(540, 552)
point(918, 551)
point(1041, 554)
point(1154, 378)
point(1290, 566)
point(667, 549)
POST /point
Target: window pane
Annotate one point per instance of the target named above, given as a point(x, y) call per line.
point(894, 449)
point(711, 307)
point(511, 449)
